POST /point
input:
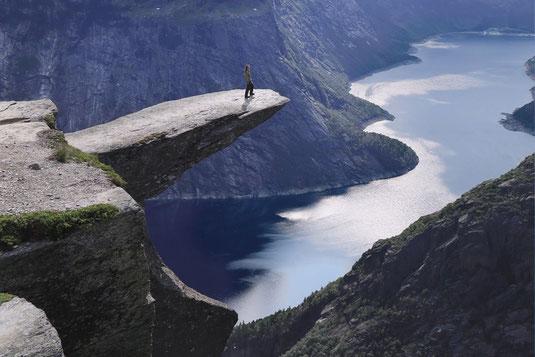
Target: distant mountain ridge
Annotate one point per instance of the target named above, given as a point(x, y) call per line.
point(99, 60)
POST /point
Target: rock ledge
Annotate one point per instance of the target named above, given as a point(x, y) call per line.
point(151, 148)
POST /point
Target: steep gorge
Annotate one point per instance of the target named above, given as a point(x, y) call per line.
point(129, 55)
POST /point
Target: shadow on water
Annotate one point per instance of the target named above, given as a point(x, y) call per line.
point(198, 239)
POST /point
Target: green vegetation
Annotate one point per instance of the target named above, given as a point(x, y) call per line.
point(332, 321)
point(391, 153)
point(63, 152)
point(50, 225)
point(525, 116)
point(346, 115)
point(487, 195)
point(50, 120)
point(147, 139)
point(289, 321)
point(5, 297)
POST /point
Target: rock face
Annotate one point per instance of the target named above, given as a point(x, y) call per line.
point(26, 331)
point(151, 149)
point(100, 67)
point(104, 288)
point(458, 282)
point(11, 112)
point(55, 186)
point(523, 118)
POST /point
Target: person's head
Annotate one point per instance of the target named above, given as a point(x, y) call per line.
point(247, 67)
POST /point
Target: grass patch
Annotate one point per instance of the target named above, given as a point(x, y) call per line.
point(5, 297)
point(50, 225)
point(63, 152)
point(50, 120)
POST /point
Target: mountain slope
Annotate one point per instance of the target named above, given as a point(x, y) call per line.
point(458, 282)
point(100, 60)
point(523, 118)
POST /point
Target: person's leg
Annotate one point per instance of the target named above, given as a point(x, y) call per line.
point(246, 91)
point(252, 88)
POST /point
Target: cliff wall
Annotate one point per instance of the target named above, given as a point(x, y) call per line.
point(75, 245)
point(458, 282)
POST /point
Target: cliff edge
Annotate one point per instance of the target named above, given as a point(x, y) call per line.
point(151, 148)
point(75, 244)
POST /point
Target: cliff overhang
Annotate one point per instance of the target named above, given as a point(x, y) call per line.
point(151, 148)
point(103, 286)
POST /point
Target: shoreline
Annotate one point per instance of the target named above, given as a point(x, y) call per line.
point(322, 190)
point(509, 122)
point(325, 189)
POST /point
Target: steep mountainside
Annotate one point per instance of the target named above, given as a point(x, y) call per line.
point(100, 60)
point(458, 282)
point(523, 118)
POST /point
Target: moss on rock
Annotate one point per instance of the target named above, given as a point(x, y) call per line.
point(50, 225)
point(63, 152)
point(50, 120)
point(5, 297)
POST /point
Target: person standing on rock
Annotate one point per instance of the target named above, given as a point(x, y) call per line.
point(249, 81)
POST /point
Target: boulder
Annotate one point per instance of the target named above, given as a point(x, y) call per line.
point(26, 331)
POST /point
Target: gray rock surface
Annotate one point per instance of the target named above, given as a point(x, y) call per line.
point(151, 149)
point(458, 282)
point(26, 332)
point(105, 289)
point(56, 186)
point(26, 110)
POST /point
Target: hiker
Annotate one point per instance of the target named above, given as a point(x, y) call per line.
point(249, 81)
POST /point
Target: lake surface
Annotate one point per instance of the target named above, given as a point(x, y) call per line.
point(262, 255)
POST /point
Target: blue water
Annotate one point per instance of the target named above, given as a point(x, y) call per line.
point(261, 255)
